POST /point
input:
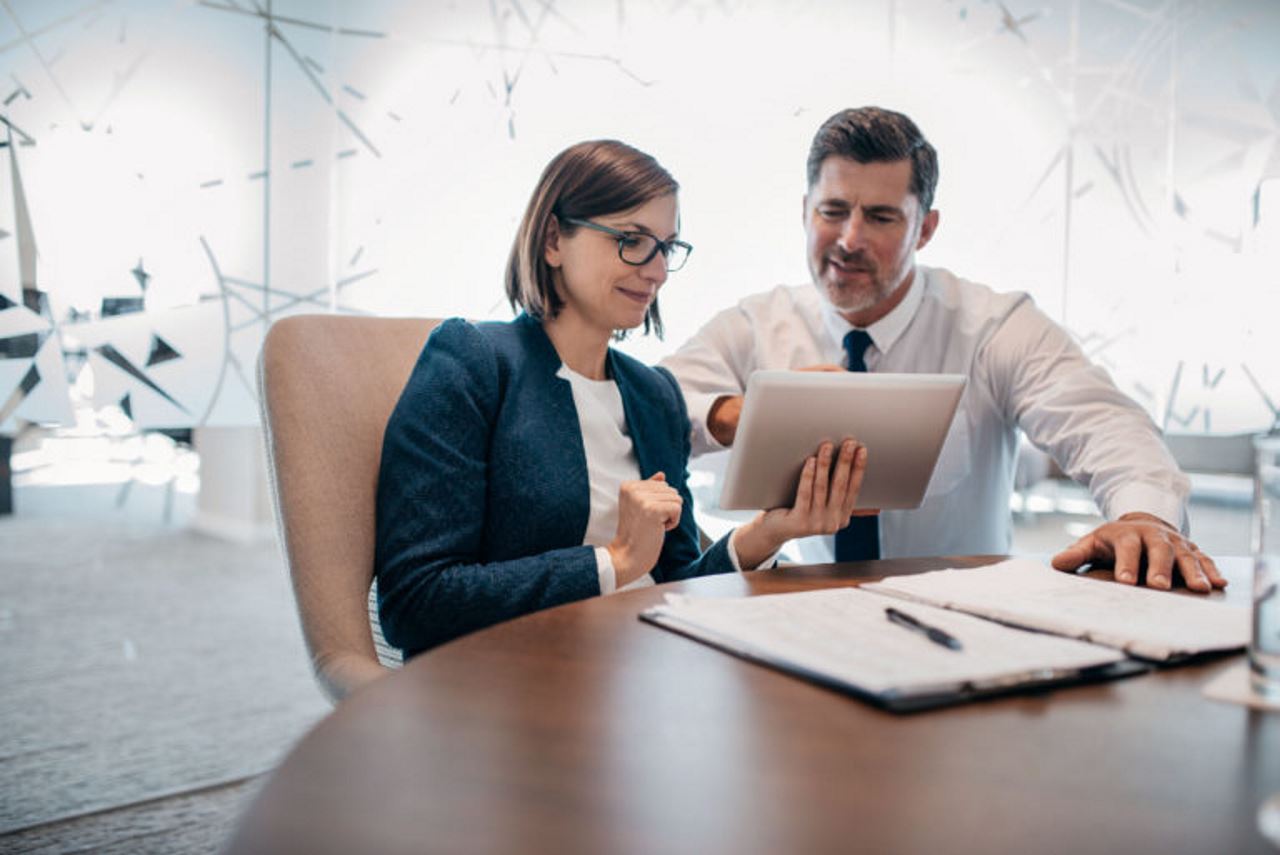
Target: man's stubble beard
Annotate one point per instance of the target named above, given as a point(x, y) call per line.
point(854, 297)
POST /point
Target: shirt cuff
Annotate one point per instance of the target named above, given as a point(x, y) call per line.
point(605, 572)
point(1148, 499)
point(731, 546)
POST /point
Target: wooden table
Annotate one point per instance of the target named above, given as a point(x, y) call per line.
point(581, 729)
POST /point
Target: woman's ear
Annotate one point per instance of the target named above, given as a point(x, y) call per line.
point(551, 246)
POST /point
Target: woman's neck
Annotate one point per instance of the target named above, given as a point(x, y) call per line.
point(580, 346)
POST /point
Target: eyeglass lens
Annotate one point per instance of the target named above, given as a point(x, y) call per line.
point(639, 248)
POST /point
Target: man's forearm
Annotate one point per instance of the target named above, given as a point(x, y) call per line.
point(722, 419)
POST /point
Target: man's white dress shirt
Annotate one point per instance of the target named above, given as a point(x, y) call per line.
point(1024, 372)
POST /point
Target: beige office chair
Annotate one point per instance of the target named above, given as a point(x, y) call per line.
point(327, 385)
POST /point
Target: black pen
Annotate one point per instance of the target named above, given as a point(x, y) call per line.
point(934, 634)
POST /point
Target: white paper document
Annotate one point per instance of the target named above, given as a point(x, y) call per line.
point(1156, 625)
point(842, 636)
point(969, 633)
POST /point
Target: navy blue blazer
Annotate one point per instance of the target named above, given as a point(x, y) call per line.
point(483, 494)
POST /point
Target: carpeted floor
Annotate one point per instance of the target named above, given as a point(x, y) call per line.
point(150, 675)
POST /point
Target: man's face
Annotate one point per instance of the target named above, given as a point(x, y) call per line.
point(863, 226)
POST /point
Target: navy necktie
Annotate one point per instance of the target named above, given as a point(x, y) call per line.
point(860, 540)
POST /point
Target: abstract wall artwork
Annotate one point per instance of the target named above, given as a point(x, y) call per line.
point(174, 176)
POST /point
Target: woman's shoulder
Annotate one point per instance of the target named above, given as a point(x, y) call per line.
point(488, 340)
point(488, 354)
point(510, 343)
point(455, 347)
point(455, 335)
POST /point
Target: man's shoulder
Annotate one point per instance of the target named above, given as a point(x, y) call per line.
point(790, 296)
point(968, 298)
point(787, 302)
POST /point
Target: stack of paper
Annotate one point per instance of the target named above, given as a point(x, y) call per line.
point(843, 637)
point(1140, 621)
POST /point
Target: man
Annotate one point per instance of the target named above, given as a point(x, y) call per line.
point(871, 180)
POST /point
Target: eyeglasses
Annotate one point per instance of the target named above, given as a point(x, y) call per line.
point(637, 248)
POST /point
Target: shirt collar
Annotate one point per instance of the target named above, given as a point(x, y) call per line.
point(888, 329)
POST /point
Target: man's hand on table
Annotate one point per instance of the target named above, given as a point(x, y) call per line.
point(1124, 544)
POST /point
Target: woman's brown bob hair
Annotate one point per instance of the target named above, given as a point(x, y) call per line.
point(586, 180)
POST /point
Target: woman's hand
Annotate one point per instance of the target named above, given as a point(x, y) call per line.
point(824, 504)
point(647, 510)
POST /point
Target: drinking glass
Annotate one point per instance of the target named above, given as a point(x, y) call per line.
point(1264, 647)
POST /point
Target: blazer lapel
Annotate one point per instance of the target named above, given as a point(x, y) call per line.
point(559, 416)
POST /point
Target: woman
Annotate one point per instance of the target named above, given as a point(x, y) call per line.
point(528, 464)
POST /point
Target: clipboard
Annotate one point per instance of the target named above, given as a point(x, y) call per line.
point(926, 640)
point(918, 699)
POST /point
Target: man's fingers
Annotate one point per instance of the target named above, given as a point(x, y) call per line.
point(1126, 552)
point(1216, 579)
point(1128, 542)
point(1193, 575)
point(1159, 563)
point(1074, 556)
point(1197, 569)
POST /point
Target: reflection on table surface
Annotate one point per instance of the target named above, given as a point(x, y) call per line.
point(582, 729)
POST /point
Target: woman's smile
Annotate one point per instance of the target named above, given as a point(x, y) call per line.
point(642, 296)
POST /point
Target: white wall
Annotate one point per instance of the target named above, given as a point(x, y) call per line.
point(1109, 157)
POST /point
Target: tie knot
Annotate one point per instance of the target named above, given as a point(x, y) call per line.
point(855, 345)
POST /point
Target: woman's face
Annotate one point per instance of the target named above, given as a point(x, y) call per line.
point(597, 286)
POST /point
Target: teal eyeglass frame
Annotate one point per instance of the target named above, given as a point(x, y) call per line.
point(663, 246)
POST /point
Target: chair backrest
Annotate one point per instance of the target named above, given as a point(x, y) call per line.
point(327, 385)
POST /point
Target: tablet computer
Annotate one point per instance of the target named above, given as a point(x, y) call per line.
point(902, 419)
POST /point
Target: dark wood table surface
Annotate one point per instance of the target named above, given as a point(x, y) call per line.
point(582, 729)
